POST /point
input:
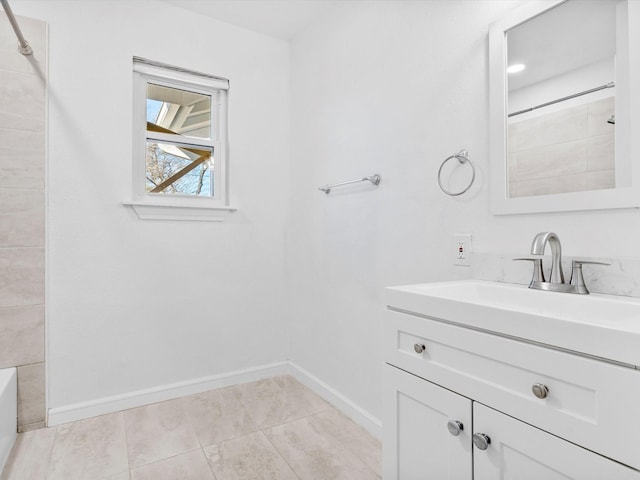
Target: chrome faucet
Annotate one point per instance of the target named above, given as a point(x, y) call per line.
point(537, 248)
point(556, 277)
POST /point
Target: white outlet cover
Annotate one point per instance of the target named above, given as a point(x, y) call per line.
point(465, 240)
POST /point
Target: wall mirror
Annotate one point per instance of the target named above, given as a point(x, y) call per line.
point(564, 99)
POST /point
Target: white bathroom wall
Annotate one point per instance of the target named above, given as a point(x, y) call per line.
point(133, 304)
point(389, 87)
point(395, 87)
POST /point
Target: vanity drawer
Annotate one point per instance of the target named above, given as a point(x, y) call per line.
point(590, 402)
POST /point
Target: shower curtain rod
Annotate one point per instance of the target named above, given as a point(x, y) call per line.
point(23, 45)
point(568, 97)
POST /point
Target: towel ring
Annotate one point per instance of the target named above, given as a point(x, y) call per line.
point(463, 157)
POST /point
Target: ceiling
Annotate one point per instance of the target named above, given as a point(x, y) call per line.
point(570, 36)
point(277, 18)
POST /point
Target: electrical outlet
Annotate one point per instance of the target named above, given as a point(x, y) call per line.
point(462, 245)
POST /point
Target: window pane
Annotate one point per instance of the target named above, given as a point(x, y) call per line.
point(171, 110)
point(179, 169)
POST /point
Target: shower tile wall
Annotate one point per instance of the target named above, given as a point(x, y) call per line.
point(22, 221)
point(570, 150)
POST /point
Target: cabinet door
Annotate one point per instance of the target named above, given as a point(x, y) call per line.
point(518, 451)
point(417, 444)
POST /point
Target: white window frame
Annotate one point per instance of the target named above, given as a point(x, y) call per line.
point(175, 206)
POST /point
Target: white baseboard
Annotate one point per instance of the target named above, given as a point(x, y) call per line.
point(116, 403)
point(338, 400)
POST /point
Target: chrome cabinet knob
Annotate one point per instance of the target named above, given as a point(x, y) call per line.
point(481, 441)
point(454, 427)
point(419, 347)
point(540, 390)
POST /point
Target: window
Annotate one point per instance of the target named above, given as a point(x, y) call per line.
point(179, 139)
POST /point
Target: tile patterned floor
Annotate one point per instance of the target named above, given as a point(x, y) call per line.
point(271, 429)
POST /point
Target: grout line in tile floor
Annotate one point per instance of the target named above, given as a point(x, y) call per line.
point(172, 428)
point(126, 439)
point(280, 453)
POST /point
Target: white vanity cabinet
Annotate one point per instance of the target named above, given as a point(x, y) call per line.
point(547, 412)
point(417, 442)
point(519, 451)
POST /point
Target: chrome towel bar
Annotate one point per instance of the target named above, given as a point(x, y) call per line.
point(374, 179)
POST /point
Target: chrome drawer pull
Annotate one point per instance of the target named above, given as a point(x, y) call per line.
point(419, 347)
point(540, 390)
point(454, 427)
point(481, 441)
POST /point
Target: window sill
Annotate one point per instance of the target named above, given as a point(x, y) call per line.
point(193, 213)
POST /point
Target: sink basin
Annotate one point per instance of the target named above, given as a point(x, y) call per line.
point(604, 326)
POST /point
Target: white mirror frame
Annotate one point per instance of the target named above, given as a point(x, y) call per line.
point(619, 197)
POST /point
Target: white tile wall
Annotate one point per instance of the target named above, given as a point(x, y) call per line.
point(601, 152)
point(22, 99)
point(552, 160)
point(33, 30)
point(601, 180)
point(21, 159)
point(21, 277)
point(22, 339)
point(557, 184)
point(598, 114)
point(557, 127)
point(31, 393)
point(22, 216)
point(565, 151)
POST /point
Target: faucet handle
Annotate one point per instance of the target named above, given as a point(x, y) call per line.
point(577, 279)
point(587, 262)
point(538, 274)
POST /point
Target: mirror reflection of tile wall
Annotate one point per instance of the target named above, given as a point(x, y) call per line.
point(569, 150)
